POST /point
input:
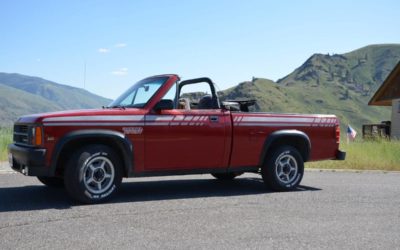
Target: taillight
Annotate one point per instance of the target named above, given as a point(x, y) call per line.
point(337, 133)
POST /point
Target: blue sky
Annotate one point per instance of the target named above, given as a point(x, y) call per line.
point(229, 41)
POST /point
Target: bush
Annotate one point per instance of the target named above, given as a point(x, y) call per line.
point(5, 139)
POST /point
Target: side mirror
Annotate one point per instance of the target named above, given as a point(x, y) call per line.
point(164, 104)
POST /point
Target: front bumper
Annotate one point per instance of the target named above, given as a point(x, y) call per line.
point(340, 155)
point(28, 161)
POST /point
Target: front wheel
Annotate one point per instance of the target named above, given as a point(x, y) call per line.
point(93, 174)
point(283, 170)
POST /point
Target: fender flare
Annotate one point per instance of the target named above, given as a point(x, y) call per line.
point(287, 134)
point(123, 144)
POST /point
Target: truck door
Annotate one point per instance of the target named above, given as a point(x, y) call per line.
point(191, 137)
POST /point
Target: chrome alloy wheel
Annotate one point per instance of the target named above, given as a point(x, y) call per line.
point(99, 174)
point(286, 168)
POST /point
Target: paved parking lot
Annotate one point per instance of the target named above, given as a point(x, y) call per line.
point(332, 210)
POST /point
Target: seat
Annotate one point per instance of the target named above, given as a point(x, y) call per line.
point(206, 102)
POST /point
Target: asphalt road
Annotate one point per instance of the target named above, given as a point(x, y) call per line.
point(332, 210)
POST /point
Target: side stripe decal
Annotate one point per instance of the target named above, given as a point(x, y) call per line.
point(190, 120)
point(95, 118)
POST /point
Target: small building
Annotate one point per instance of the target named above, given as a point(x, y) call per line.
point(388, 94)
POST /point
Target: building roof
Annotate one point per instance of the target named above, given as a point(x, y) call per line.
point(389, 90)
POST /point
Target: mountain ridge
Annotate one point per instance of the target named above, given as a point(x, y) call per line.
point(340, 84)
point(17, 90)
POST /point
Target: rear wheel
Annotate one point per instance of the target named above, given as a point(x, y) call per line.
point(226, 176)
point(284, 169)
point(93, 174)
point(54, 182)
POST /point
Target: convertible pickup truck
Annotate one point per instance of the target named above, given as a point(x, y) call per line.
point(164, 126)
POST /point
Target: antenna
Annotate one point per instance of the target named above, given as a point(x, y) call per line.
point(84, 75)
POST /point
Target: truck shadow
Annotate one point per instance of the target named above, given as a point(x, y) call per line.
point(184, 189)
point(27, 198)
point(39, 197)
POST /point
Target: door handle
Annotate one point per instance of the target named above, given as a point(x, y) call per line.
point(214, 118)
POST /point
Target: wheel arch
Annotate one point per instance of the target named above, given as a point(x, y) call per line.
point(294, 138)
point(76, 139)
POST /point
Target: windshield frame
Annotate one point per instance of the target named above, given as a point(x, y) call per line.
point(134, 88)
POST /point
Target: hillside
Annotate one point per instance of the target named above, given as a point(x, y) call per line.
point(20, 94)
point(338, 84)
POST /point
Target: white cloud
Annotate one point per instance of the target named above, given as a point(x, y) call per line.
point(120, 72)
point(121, 45)
point(103, 50)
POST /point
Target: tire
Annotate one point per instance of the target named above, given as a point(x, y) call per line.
point(93, 174)
point(226, 176)
point(283, 169)
point(54, 182)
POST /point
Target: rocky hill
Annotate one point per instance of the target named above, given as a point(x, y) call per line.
point(339, 84)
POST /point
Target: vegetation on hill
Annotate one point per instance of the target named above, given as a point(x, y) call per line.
point(20, 95)
point(338, 84)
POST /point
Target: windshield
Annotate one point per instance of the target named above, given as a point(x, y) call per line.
point(139, 94)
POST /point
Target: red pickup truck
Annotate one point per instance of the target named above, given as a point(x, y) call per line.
point(164, 126)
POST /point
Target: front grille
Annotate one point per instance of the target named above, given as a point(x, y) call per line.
point(21, 134)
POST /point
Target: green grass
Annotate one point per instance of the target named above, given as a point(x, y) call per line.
point(366, 155)
point(5, 139)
